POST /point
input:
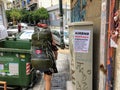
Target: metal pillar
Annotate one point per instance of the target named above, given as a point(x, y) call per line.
point(103, 45)
point(62, 44)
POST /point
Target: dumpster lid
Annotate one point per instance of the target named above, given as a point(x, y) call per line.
point(15, 50)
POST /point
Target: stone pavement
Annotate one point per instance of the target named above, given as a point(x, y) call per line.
point(59, 80)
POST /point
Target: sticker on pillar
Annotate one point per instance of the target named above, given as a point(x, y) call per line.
point(81, 40)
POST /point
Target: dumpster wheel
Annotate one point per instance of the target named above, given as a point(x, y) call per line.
point(36, 77)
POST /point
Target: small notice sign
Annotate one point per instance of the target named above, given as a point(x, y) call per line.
point(81, 40)
point(13, 68)
point(1, 66)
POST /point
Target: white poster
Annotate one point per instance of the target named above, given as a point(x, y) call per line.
point(81, 40)
point(14, 68)
point(1, 66)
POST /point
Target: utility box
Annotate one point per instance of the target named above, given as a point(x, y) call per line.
point(81, 49)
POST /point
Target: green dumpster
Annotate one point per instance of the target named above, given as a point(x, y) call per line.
point(15, 63)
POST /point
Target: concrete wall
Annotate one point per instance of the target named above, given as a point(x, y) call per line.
point(93, 13)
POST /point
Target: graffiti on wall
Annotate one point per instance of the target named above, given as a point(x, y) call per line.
point(82, 85)
point(78, 12)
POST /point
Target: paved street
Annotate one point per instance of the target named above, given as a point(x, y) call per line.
point(31, 27)
point(59, 79)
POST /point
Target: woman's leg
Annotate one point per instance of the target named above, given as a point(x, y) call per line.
point(47, 79)
point(56, 54)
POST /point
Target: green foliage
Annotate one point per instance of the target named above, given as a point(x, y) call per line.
point(24, 15)
point(15, 14)
point(8, 15)
point(27, 16)
point(31, 16)
point(41, 13)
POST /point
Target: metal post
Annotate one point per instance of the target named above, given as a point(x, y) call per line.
point(62, 44)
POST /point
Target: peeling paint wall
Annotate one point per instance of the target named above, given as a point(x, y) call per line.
point(78, 10)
